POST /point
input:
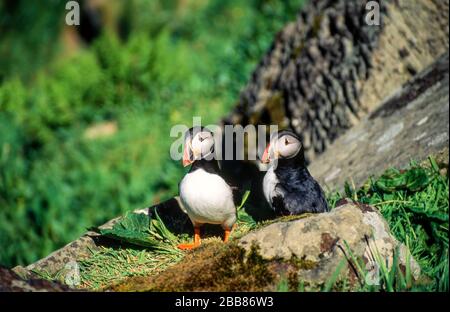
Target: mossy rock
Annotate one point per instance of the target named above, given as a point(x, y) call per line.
point(212, 267)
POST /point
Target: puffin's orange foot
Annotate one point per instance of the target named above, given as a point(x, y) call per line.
point(196, 242)
point(228, 233)
point(188, 246)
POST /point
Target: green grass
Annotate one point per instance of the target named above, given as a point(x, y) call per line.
point(138, 230)
point(108, 266)
point(415, 204)
point(412, 210)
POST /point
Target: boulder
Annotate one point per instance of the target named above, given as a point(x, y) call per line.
point(323, 244)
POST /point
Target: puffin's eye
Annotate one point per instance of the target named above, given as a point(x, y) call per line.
point(201, 139)
point(286, 141)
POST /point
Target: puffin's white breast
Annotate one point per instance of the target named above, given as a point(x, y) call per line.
point(269, 182)
point(207, 197)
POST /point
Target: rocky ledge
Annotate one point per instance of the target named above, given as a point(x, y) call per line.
point(349, 245)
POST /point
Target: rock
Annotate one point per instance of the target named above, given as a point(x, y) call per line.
point(101, 130)
point(320, 243)
point(10, 281)
point(410, 124)
point(57, 260)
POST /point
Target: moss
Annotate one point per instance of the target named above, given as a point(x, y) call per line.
point(292, 277)
point(275, 107)
point(316, 24)
point(302, 263)
point(220, 267)
point(212, 267)
point(297, 50)
point(284, 219)
point(288, 270)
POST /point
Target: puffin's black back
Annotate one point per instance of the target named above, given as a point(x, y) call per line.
point(300, 193)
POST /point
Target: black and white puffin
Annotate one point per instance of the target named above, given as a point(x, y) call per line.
point(205, 195)
point(288, 186)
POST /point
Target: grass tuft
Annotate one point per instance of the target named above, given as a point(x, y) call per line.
point(108, 266)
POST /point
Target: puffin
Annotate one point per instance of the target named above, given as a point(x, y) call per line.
point(288, 186)
point(205, 195)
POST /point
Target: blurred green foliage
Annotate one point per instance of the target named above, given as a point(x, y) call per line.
point(28, 31)
point(169, 61)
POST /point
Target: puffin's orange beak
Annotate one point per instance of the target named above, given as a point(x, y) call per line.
point(265, 157)
point(186, 159)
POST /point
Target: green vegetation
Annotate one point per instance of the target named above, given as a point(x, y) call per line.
point(415, 204)
point(28, 36)
point(60, 172)
point(108, 265)
point(136, 229)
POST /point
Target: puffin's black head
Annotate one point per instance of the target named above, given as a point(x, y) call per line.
point(284, 145)
point(198, 144)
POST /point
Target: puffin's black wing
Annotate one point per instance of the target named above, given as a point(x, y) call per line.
point(278, 205)
point(297, 192)
point(232, 183)
point(237, 195)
